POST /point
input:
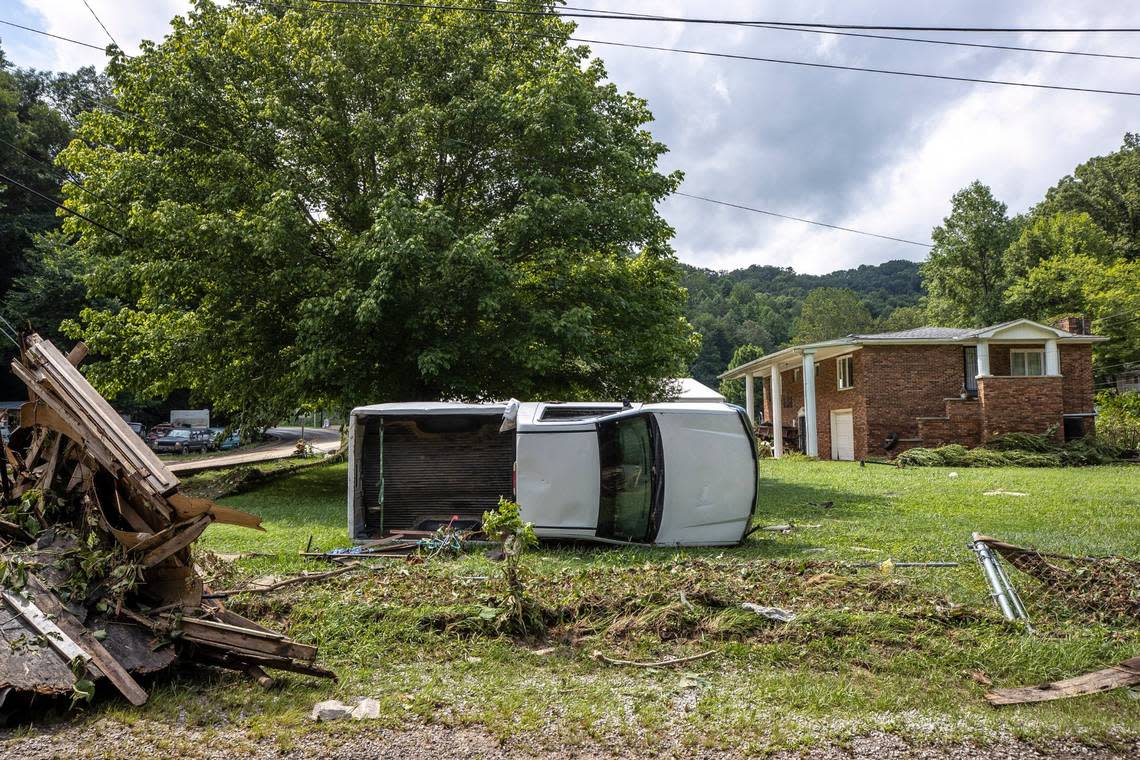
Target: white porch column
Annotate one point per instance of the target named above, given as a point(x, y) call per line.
point(1052, 359)
point(774, 392)
point(750, 397)
point(983, 358)
point(811, 438)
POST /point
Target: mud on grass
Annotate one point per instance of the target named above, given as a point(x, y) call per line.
point(867, 652)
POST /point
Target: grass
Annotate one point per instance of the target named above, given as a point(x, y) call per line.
point(904, 652)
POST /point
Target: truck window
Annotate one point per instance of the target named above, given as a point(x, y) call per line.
point(629, 509)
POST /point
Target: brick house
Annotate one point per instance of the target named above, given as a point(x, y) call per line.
point(879, 394)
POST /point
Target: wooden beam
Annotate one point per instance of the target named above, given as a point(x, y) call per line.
point(1126, 673)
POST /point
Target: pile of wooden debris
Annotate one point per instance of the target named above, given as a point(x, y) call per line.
point(96, 576)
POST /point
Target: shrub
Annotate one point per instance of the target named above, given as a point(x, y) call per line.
point(1118, 421)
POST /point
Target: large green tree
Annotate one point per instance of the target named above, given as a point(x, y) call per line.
point(357, 206)
point(1107, 188)
point(965, 275)
point(734, 390)
point(831, 313)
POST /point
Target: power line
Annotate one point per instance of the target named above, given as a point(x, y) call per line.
point(100, 22)
point(706, 53)
point(838, 67)
point(799, 219)
point(62, 173)
point(49, 34)
point(52, 201)
point(893, 38)
point(618, 16)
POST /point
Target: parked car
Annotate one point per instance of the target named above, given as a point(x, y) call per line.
point(229, 442)
point(666, 474)
point(183, 441)
point(157, 432)
point(138, 429)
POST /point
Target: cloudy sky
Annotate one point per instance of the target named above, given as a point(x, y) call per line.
point(874, 152)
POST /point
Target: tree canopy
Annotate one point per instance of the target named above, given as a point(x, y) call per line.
point(831, 313)
point(1075, 253)
point(347, 208)
point(965, 273)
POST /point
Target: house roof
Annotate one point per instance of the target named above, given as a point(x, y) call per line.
point(693, 390)
point(917, 333)
point(1023, 330)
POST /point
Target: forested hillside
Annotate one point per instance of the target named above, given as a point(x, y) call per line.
point(760, 305)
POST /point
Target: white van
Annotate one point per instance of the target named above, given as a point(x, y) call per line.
point(673, 474)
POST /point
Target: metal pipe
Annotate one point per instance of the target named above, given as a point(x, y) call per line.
point(986, 560)
point(1014, 597)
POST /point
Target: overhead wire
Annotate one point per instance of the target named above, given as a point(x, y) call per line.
point(104, 26)
point(893, 38)
point(63, 174)
point(54, 36)
point(57, 204)
point(619, 16)
point(800, 219)
point(308, 6)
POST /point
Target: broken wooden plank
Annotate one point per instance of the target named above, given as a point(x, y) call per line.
point(179, 542)
point(102, 659)
point(235, 638)
point(186, 507)
point(77, 354)
point(1123, 674)
point(44, 625)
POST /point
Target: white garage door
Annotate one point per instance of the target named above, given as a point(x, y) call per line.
point(842, 435)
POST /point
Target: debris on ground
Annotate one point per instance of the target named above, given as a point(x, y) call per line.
point(789, 527)
point(96, 571)
point(1002, 591)
point(656, 664)
point(1126, 673)
point(778, 614)
point(333, 709)
point(1000, 492)
point(1100, 588)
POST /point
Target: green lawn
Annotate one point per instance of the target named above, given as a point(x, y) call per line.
point(902, 652)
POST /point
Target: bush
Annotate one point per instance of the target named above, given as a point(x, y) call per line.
point(1118, 420)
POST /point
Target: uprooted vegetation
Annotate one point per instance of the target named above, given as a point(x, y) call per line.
point(675, 603)
point(1014, 450)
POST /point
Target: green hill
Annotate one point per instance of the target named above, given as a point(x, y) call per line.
point(760, 304)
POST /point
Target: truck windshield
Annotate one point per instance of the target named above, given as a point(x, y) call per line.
point(629, 510)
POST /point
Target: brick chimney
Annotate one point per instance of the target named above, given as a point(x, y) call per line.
point(1074, 324)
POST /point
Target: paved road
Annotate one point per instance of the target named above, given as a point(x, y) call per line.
point(285, 443)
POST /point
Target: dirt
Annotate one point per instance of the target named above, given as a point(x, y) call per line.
point(109, 738)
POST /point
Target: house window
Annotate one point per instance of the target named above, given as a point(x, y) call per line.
point(845, 372)
point(1026, 362)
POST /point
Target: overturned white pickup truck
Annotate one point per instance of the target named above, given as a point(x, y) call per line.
point(666, 474)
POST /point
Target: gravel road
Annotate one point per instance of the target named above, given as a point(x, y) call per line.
point(108, 738)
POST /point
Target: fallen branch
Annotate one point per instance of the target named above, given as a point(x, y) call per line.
point(658, 664)
point(1123, 674)
point(281, 584)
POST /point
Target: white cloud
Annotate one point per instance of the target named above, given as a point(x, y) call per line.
point(129, 21)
